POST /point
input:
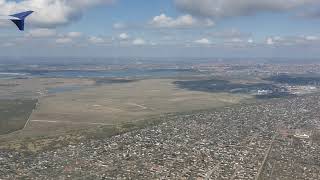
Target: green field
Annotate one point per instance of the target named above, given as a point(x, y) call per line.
point(14, 114)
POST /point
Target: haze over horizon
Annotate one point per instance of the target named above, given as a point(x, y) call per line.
point(177, 28)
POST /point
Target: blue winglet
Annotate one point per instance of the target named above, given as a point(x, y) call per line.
point(20, 22)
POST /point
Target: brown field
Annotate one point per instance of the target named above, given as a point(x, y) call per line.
point(105, 105)
point(118, 103)
point(100, 109)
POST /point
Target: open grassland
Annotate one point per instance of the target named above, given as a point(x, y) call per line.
point(14, 114)
point(34, 87)
point(119, 103)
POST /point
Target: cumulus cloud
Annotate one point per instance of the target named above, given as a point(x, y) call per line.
point(311, 38)
point(74, 34)
point(203, 41)
point(50, 13)
point(230, 8)
point(231, 37)
point(52, 35)
point(119, 25)
point(63, 40)
point(96, 40)
point(185, 21)
point(139, 41)
point(236, 40)
point(41, 33)
point(292, 40)
point(270, 41)
point(124, 36)
point(229, 34)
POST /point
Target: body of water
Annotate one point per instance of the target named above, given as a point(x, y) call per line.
point(161, 73)
point(62, 89)
point(131, 73)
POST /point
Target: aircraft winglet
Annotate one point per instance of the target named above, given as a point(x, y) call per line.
point(18, 19)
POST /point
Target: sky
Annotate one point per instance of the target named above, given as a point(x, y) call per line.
point(163, 28)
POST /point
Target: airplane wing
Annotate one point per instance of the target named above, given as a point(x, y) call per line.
point(21, 17)
point(18, 19)
point(8, 18)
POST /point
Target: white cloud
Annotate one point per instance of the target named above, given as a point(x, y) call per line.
point(203, 41)
point(96, 40)
point(165, 21)
point(311, 38)
point(292, 40)
point(230, 8)
point(123, 36)
point(63, 40)
point(272, 40)
point(236, 40)
point(229, 34)
point(208, 22)
point(50, 13)
point(50, 34)
point(119, 25)
point(42, 33)
point(185, 21)
point(74, 34)
point(139, 41)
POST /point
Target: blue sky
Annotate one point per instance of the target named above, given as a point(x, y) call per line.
point(163, 28)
